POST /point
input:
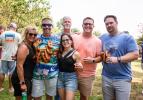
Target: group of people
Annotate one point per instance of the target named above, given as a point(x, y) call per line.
point(60, 64)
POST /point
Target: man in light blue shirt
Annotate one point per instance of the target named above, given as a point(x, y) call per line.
point(121, 49)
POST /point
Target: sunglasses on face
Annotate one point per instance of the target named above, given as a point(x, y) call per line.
point(87, 24)
point(65, 40)
point(49, 25)
point(31, 34)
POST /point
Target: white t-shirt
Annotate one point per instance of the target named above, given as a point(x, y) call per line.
point(9, 41)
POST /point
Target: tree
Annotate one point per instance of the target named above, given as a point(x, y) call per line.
point(23, 12)
point(74, 30)
point(140, 40)
point(59, 24)
point(97, 33)
point(140, 28)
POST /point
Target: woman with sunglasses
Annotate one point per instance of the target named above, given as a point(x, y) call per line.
point(69, 63)
point(22, 76)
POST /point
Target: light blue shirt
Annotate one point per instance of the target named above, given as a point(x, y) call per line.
point(117, 46)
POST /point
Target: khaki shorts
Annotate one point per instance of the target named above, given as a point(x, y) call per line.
point(85, 85)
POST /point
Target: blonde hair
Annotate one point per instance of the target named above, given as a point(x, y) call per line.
point(26, 31)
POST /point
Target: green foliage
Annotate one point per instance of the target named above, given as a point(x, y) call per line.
point(23, 12)
point(96, 33)
point(74, 30)
point(140, 40)
point(59, 24)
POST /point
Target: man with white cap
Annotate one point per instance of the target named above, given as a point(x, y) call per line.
point(9, 41)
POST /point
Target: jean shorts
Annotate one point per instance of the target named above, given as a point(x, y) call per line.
point(7, 67)
point(67, 81)
point(39, 87)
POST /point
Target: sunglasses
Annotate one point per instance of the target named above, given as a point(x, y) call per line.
point(87, 24)
point(31, 34)
point(49, 25)
point(65, 40)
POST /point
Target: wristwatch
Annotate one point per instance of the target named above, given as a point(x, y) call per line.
point(22, 82)
point(119, 59)
point(93, 60)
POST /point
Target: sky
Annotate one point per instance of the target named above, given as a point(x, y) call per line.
point(129, 13)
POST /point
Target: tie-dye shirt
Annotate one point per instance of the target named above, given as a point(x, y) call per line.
point(46, 53)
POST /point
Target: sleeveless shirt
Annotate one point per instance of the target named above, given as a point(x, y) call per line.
point(28, 64)
point(66, 63)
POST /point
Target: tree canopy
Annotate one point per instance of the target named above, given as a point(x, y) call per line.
point(23, 12)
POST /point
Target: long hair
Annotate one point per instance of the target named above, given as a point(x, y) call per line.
point(26, 31)
point(61, 49)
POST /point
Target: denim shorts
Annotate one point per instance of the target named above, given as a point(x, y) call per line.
point(7, 67)
point(67, 81)
point(39, 87)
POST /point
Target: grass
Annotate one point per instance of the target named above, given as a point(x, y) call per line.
point(97, 92)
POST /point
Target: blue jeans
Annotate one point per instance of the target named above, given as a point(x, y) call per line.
point(115, 89)
point(67, 81)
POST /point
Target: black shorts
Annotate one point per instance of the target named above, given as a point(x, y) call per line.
point(16, 86)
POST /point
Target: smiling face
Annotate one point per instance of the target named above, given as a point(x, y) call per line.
point(66, 42)
point(111, 25)
point(31, 34)
point(88, 25)
point(47, 26)
point(67, 23)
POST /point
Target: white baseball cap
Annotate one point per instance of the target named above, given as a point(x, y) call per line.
point(13, 25)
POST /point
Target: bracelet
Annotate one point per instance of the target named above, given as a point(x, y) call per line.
point(22, 82)
point(119, 59)
point(93, 61)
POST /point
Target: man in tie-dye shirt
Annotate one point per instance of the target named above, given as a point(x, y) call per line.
point(46, 70)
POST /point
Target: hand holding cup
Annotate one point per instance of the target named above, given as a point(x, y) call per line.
point(78, 66)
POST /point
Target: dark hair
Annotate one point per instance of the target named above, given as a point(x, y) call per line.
point(88, 18)
point(110, 16)
point(61, 49)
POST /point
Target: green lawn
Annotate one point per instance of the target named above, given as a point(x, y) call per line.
point(97, 93)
